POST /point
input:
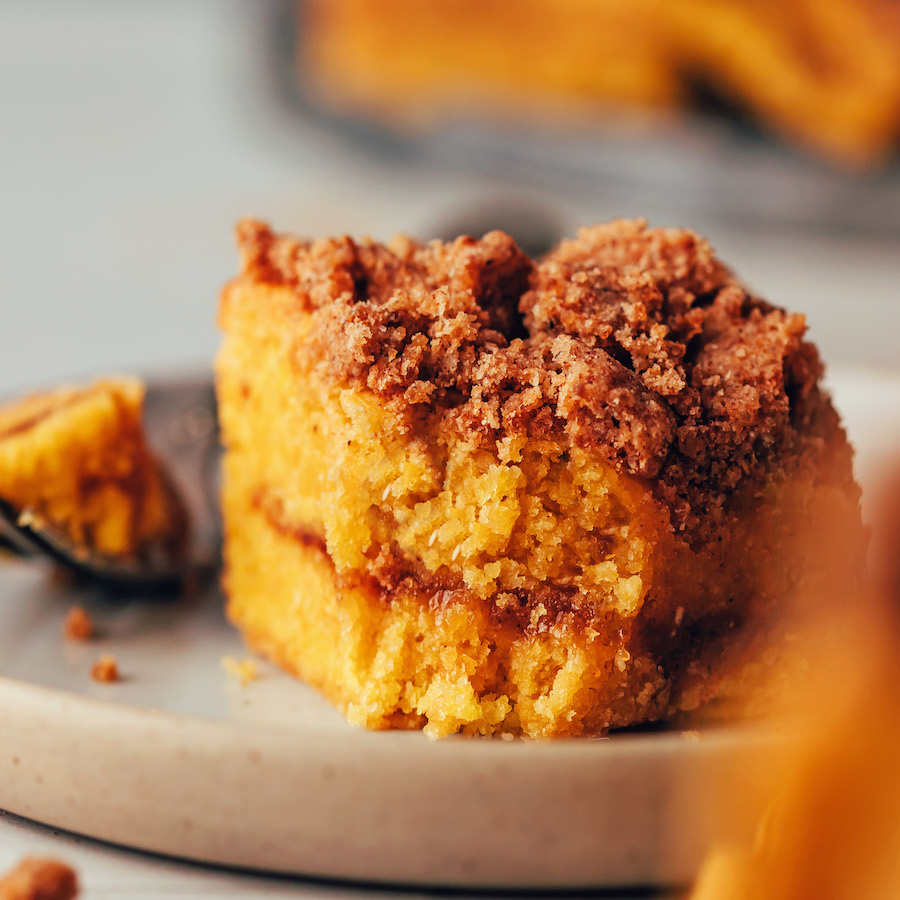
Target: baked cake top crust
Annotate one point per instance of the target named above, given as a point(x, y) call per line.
point(636, 342)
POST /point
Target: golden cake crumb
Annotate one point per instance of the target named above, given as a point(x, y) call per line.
point(79, 626)
point(37, 878)
point(106, 669)
point(244, 670)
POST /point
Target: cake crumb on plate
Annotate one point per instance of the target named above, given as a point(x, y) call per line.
point(79, 626)
point(106, 669)
point(244, 670)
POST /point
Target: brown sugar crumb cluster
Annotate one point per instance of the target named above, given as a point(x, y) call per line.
point(636, 342)
point(36, 878)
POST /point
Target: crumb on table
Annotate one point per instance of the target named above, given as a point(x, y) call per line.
point(244, 670)
point(36, 878)
point(106, 669)
point(78, 625)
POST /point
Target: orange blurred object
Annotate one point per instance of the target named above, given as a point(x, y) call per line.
point(822, 73)
point(833, 827)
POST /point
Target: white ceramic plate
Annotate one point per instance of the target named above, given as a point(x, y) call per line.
point(180, 758)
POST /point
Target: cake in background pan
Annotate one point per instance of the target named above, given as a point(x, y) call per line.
point(823, 74)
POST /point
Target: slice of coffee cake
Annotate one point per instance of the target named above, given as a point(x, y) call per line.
point(467, 491)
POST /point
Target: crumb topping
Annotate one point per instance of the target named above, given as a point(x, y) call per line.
point(635, 342)
point(36, 878)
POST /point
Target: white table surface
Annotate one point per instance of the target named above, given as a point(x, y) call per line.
point(134, 135)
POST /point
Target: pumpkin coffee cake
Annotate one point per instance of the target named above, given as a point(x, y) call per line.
point(470, 491)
